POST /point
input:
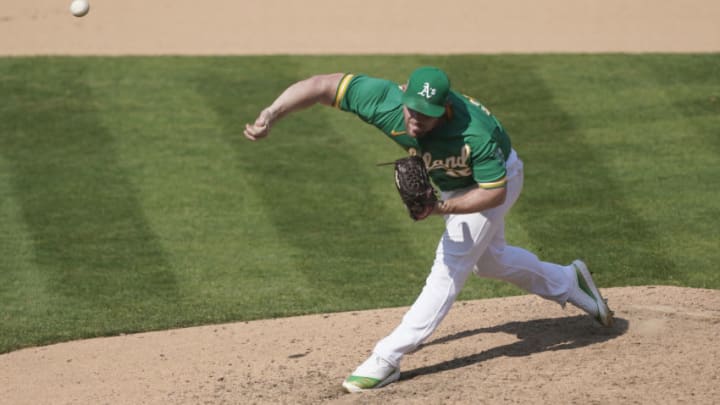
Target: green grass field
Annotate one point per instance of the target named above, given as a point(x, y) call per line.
point(131, 201)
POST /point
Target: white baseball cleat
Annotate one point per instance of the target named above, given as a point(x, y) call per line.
point(586, 296)
point(375, 372)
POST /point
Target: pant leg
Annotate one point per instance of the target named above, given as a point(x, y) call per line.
point(523, 269)
point(465, 240)
point(454, 261)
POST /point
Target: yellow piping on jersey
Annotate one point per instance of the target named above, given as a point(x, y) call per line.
point(342, 88)
point(495, 184)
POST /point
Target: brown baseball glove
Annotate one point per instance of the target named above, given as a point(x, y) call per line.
point(413, 184)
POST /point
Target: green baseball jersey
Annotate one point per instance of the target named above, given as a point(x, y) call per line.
point(469, 147)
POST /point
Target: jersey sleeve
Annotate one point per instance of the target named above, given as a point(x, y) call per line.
point(488, 165)
point(342, 91)
point(363, 96)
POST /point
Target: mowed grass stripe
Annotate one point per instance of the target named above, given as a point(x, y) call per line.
point(203, 206)
point(637, 133)
point(689, 214)
point(671, 136)
point(23, 286)
point(139, 163)
point(91, 241)
point(592, 192)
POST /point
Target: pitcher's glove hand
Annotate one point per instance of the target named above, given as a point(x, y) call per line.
point(413, 184)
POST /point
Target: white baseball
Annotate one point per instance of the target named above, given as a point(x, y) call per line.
point(79, 7)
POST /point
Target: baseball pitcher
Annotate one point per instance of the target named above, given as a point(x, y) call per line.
point(468, 155)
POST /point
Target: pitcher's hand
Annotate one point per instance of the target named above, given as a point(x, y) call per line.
point(261, 127)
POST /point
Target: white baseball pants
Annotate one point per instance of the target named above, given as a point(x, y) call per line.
point(474, 242)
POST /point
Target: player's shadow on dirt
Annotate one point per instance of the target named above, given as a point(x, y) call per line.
point(535, 336)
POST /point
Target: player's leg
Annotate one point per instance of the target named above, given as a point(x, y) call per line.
point(465, 237)
point(525, 270)
point(465, 240)
point(552, 281)
point(572, 283)
point(517, 265)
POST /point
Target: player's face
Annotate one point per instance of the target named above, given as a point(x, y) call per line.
point(418, 124)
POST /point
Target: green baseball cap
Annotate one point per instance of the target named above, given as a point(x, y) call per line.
point(427, 91)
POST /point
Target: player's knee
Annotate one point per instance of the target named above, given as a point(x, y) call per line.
point(447, 280)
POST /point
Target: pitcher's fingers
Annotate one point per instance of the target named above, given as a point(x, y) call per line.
point(249, 133)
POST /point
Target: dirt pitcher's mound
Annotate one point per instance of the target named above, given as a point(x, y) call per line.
point(663, 349)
